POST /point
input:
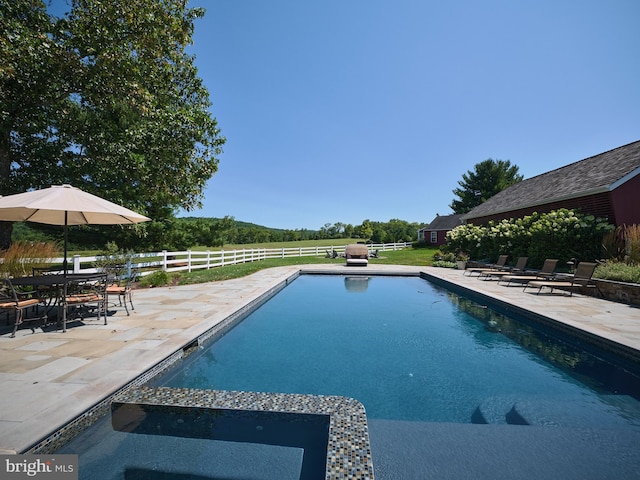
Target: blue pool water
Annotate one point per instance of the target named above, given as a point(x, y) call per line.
point(407, 349)
point(428, 365)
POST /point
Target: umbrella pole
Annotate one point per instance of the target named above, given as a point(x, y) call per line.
point(64, 260)
point(64, 268)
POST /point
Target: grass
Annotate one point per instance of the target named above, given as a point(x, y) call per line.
point(407, 256)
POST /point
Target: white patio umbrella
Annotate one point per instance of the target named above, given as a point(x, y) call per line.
point(65, 205)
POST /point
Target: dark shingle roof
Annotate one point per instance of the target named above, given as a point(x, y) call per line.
point(444, 222)
point(597, 174)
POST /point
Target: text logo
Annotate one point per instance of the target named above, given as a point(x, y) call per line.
point(50, 467)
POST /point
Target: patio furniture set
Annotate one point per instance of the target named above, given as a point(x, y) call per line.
point(62, 205)
point(72, 295)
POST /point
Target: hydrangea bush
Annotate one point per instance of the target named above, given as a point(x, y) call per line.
point(561, 234)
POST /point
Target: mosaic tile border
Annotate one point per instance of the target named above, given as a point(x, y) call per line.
point(348, 451)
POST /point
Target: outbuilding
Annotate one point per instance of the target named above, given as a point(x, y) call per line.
point(435, 233)
point(605, 185)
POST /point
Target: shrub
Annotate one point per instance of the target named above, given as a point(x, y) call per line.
point(159, 278)
point(465, 238)
point(439, 256)
point(565, 234)
point(632, 244)
point(22, 257)
point(623, 244)
point(618, 271)
point(445, 264)
point(561, 234)
point(114, 261)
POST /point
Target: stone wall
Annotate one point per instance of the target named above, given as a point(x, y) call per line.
point(619, 291)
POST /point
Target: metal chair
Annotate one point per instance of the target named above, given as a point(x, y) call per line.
point(85, 291)
point(123, 292)
point(18, 303)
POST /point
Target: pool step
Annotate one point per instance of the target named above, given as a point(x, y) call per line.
point(613, 411)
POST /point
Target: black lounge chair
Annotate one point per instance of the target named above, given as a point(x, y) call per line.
point(515, 270)
point(492, 267)
point(582, 278)
point(547, 271)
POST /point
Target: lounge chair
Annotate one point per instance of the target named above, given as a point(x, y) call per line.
point(582, 278)
point(515, 270)
point(547, 271)
point(492, 267)
point(357, 254)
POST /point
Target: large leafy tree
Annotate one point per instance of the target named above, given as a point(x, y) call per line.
point(487, 178)
point(33, 66)
point(131, 118)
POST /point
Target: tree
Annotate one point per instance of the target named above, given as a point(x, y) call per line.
point(488, 178)
point(365, 230)
point(33, 64)
point(126, 116)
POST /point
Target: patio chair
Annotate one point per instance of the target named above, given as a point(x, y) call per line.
point(123, 291)
point(18, 302)
point(515, 270)
point(492, 267)
point(85, 292)
point(582, 278)
point(547, 271)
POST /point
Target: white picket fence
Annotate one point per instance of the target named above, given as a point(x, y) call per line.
point(190, 260)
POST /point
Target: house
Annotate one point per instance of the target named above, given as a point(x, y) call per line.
point(606, 185)
point(435, 232)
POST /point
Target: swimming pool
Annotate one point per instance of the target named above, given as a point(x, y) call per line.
point(407, 349)
point(443, 359)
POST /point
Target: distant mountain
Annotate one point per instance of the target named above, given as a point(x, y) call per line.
point(238, 223)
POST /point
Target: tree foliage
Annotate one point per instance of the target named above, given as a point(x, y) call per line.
point(32, 69)
point(108, 100)
point(487, 178)
point(187, 232)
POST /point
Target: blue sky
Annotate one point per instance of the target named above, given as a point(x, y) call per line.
point(341, 111)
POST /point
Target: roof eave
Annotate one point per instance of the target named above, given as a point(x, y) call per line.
point(584, 193)
point(624, 179)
